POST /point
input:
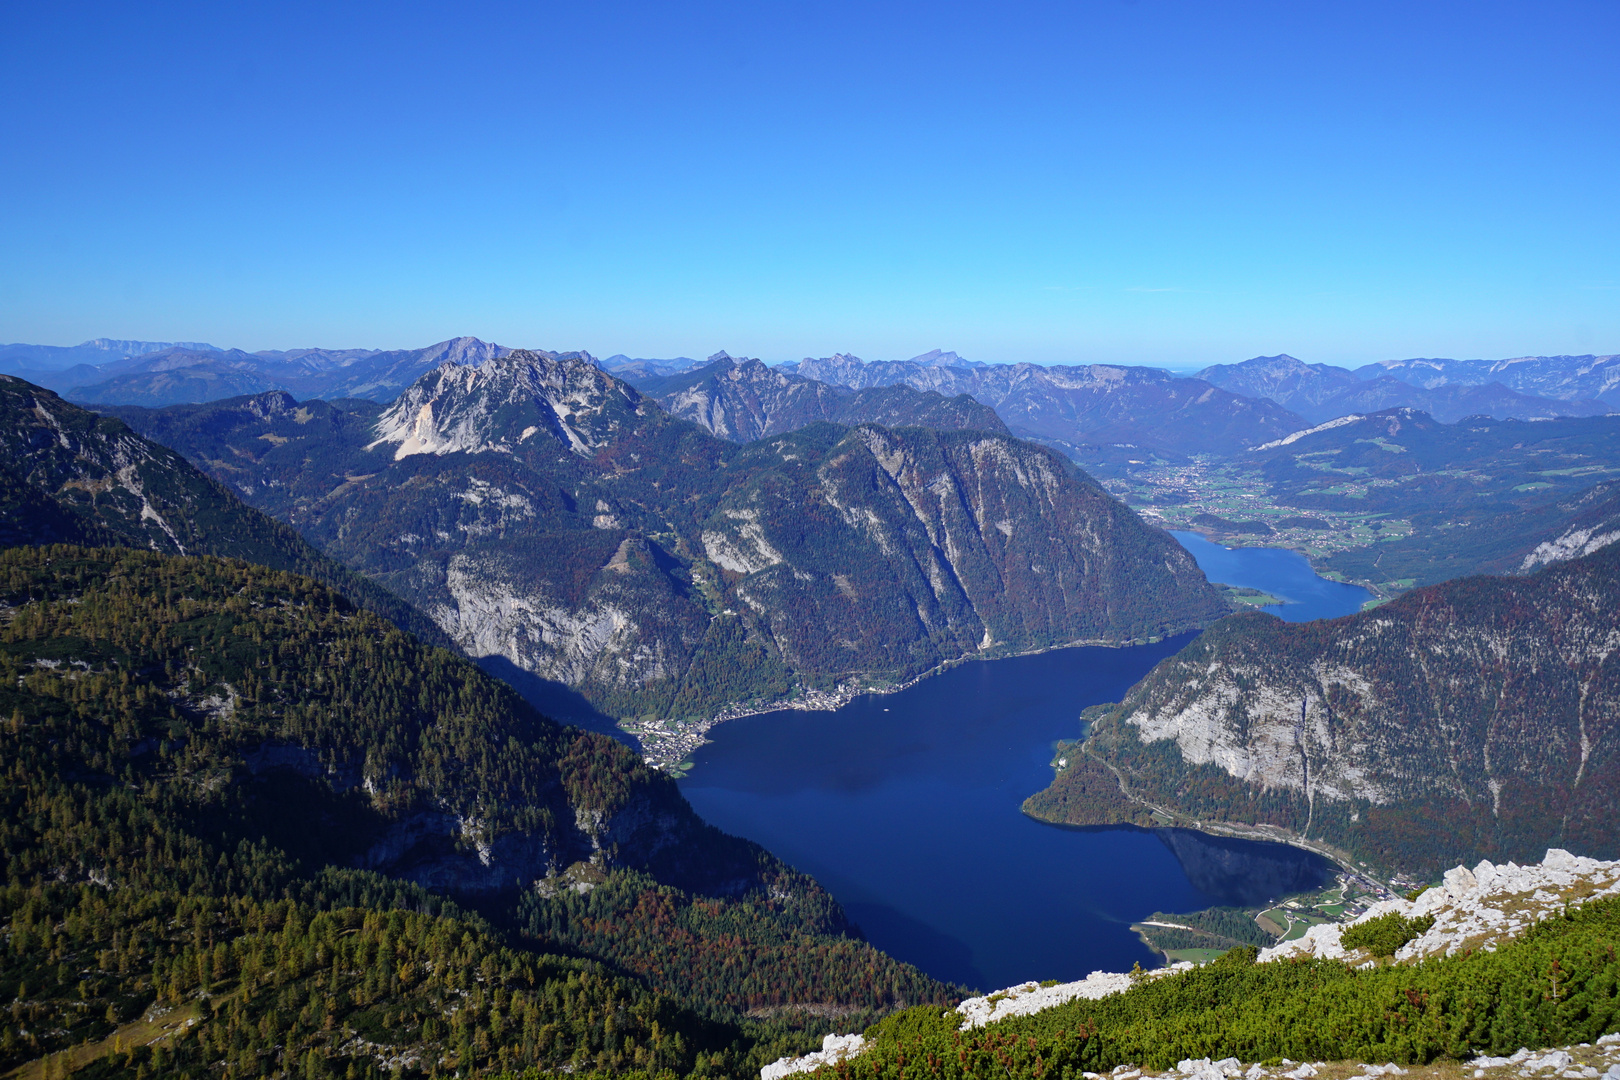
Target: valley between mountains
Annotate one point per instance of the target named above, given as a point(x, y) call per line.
point(265, 816)
point(550, 518)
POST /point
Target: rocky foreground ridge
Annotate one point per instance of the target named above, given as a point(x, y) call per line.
point(1480, 910)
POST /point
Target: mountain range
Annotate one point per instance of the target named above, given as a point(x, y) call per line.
point(20, 358)
point(1089, 411)
point(157, 373)
point(744, 400)
point(1082, 408)
point(201, 738)
point(262, 812)
point(548, 515)
point(1534, 388)
point(1471, 719)
point(1564, 378)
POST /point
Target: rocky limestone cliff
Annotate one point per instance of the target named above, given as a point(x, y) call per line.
point(494, 407)
point(1590, 522)
point(1478, 718)
point(550, 516)
point(70, 476)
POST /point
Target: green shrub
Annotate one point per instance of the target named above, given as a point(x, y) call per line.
point(1385, 934)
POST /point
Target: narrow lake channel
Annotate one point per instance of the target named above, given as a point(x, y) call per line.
point(906, 806)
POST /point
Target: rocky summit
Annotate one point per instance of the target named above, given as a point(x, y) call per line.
point(552, 518)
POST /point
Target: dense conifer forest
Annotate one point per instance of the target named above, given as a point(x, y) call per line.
point(217, 819)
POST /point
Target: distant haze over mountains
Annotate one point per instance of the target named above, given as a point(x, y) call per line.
point(743, 400)
point(1075, 406)
point(162, 373)
point(1529, 388)
point(1088, 410)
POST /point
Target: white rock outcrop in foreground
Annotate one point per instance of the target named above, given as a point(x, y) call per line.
point(1476, 908)
point(834, 1048)
point(1028, 998)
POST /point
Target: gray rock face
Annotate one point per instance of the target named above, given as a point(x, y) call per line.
point(459, 408)
point(1485, 706)
point(544, 512)
point(878, 556)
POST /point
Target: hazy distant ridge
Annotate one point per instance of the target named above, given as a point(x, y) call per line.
point(1531, 388)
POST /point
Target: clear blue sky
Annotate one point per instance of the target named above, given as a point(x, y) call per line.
point(1145, 182)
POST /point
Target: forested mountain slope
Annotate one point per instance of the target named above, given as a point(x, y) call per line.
point(543, 511)
point(68, 475)
point(743, 400)
point(1510, 538)
point(1086, 403)
point(226, 789)
point(1478, 718)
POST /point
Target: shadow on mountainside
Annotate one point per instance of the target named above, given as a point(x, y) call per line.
point(553, 699)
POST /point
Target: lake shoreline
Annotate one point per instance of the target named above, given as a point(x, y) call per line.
point(832, 700)
point(1236, 541)
point(903, 800)
point(1265, 834)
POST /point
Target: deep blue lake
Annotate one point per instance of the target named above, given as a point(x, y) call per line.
point(1284, 574)
point(906, 806)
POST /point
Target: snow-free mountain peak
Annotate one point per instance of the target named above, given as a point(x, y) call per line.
point(743, 399)
point(941, 358)
point(506, 401)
